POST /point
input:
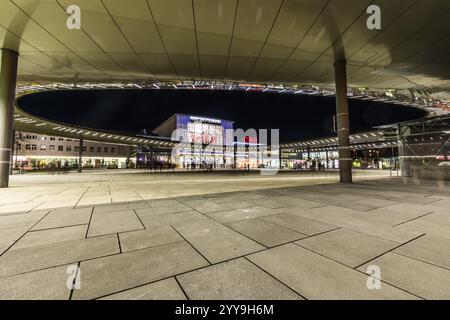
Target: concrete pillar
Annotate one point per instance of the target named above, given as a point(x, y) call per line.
point(80, 155)
point(345, 160)
point(280, 159)
point(405, 162)
point(13, 144)
point(8, 79)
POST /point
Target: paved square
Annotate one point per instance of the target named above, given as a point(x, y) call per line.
point(316, 277)
point(224, 236)
point(347, 247)
point(132, 269)
point(238, 279)
point(267, 233)
point(167, 289)
point(113, 222)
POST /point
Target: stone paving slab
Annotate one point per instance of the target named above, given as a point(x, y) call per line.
point(237, 279)
point(335, 201)
point(113, 222)
point(18, 207)
point(10, 235)
point(316, 277)
point(347, 247)
point(154, 211)
point(47, 284)
point(418, 199)
point(4, 245)
point(270, 203)
point(233, 196)
point(21, 221)
point(132, 269)
point(264, 232)
point(88, 200)
point(300, 224)
point(423, 226)
point(241, 214)
point(438, 217)
point(419, 209)
point(121, 207)
point(215, 241)
point(49, 236)
point(297, 201)
point(323, 211)
point(167, 289)
point(431, 249)
point(55, 254)
point(444, 202)
point(64, 218)
point(391, 217)
point(56, 204)
point(134, 240)
point(159, 203)
point(375, 202)
point(353, 222)
point(354, 205)
point(420, 278)
point(206, 206)
point(171, 219)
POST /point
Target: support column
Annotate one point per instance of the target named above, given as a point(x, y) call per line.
point(280, 159)
point(80, 155)
point(13, 144)
point(8, 79)
point(345, 159)
point(405, 163)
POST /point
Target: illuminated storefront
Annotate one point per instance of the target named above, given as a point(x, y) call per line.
point(44, 152)
point(203, 145)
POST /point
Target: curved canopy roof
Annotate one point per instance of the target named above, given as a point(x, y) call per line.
point(257, 41)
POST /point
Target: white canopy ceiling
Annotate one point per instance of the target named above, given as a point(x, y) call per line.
point(261, 41)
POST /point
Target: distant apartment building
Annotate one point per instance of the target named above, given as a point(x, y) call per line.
point(34, 151)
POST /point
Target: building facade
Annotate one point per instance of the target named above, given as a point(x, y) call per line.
point(34, 151)
point(206, 142)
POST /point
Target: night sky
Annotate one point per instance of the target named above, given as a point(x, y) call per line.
point(297, 116)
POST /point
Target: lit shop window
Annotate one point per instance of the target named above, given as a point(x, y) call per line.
point(205, 133)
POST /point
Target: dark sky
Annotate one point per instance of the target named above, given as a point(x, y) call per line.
point(297, 116)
